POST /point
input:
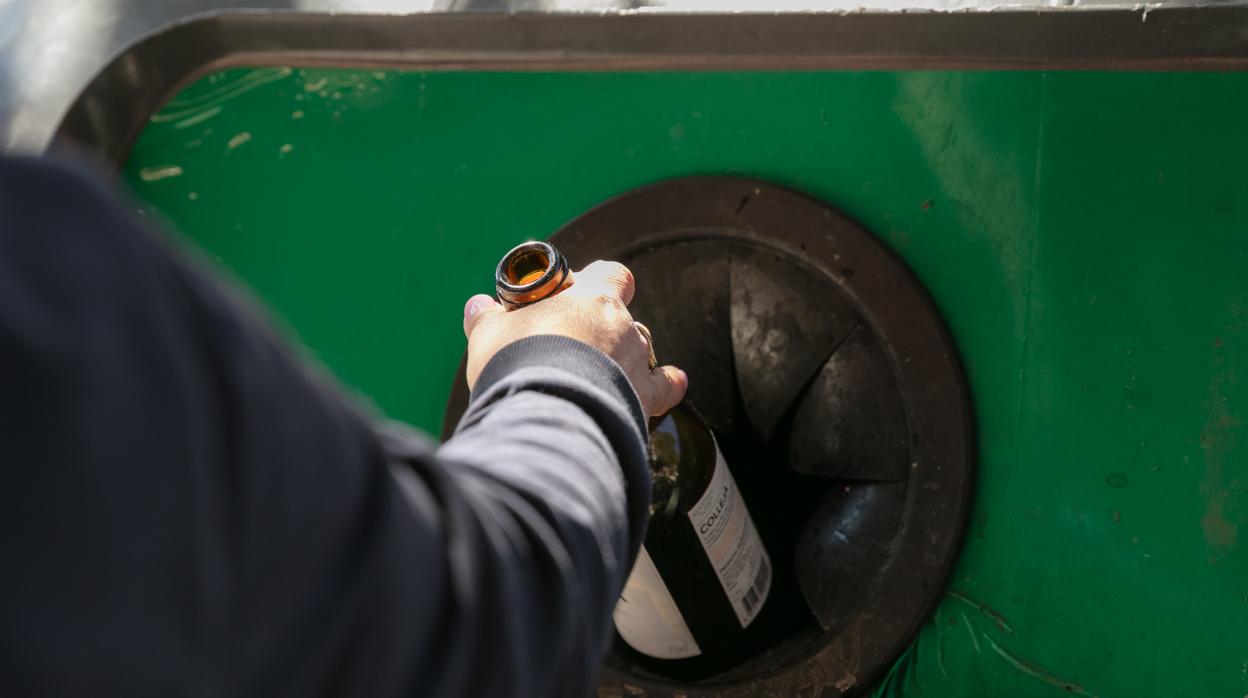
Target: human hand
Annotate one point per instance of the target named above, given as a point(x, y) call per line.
point(594, 310)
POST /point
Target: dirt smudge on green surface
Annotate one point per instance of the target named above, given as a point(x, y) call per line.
point(1217, 443)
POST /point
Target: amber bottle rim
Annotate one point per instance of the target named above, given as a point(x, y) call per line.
point(552, 279)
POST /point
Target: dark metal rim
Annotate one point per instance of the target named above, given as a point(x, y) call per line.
point(927, 367)
point(112, 109)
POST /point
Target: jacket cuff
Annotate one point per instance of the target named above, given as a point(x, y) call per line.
point(566, 354)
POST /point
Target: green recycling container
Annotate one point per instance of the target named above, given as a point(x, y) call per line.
point(1084, 235)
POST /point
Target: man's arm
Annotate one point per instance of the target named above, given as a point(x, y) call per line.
point(538, 531)
point(186, 510)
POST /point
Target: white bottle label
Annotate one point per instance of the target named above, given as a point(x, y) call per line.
point(727, 532)
point(647, 617)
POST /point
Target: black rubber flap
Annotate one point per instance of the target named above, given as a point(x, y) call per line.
point(785, 325)
point(837, 399)
point(851, 423)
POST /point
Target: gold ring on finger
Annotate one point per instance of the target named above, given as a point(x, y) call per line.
point(652, 360)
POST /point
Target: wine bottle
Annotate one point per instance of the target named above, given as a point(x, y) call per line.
point(703, 575)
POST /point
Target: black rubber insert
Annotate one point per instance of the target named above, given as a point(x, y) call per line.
point(837, 398)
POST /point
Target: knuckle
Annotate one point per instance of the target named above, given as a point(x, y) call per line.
point(617, 274)
point(614, 308)
point(625, 275)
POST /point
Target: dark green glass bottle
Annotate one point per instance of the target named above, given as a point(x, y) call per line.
point(703, 574)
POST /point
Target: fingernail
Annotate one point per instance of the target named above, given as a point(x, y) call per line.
point(474, 306)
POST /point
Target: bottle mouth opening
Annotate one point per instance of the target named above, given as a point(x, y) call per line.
point(527, 267)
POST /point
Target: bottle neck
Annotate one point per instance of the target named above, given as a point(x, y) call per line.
point(531, 272)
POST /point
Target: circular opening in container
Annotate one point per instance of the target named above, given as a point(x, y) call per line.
point(838, 403)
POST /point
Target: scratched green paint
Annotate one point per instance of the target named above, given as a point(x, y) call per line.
point(1086, 235)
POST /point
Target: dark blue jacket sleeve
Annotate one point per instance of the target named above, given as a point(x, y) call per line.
point(186, 510)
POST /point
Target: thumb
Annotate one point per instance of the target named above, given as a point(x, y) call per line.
point(477, 308)
point(667, 386)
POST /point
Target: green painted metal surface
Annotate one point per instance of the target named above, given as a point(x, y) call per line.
point(1086, 235)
